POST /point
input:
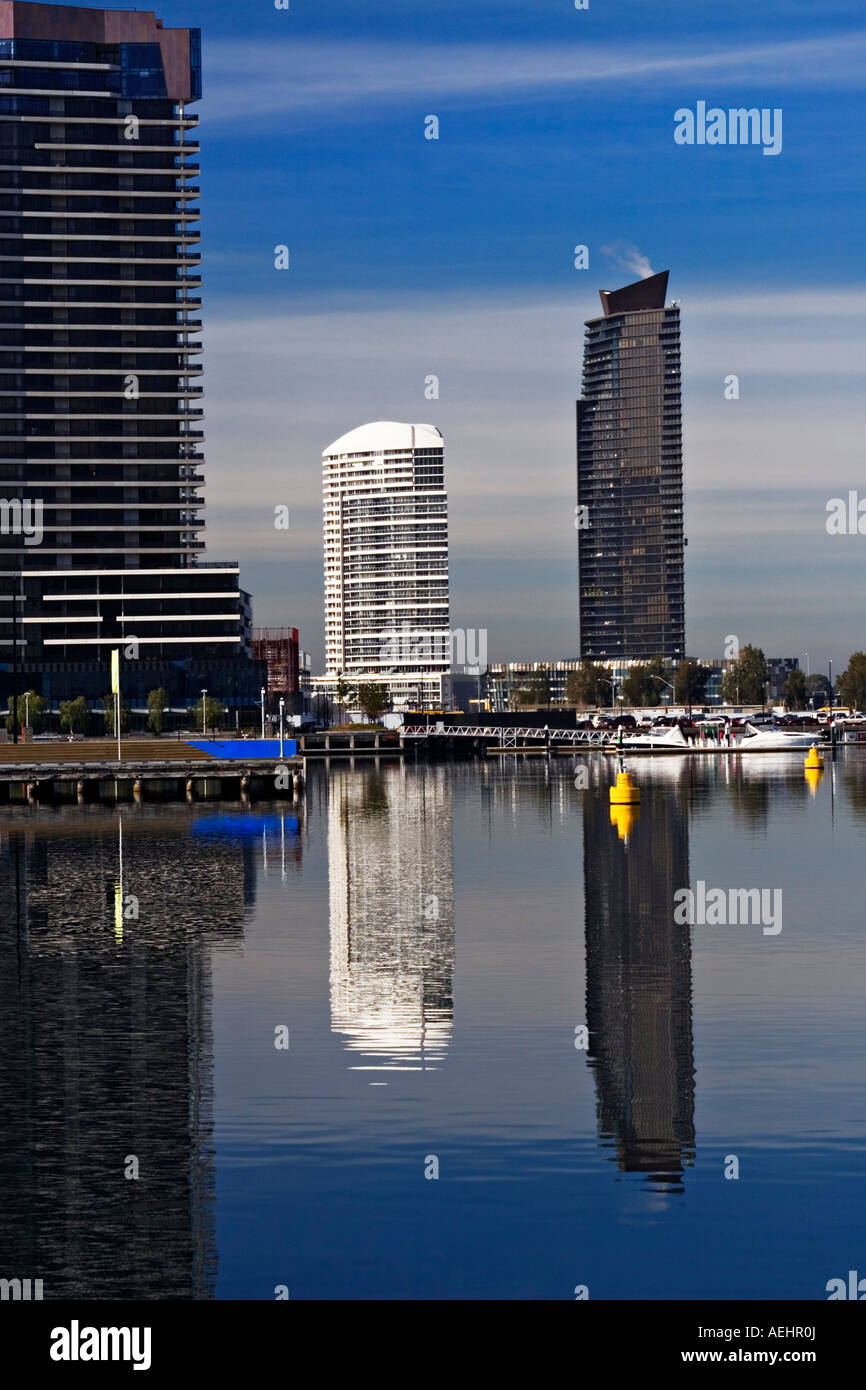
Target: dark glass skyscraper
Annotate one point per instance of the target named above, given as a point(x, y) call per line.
point(100, 462)
point(630, 478)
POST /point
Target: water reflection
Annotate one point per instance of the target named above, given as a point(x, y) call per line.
point(638, 976)
point(391, 897)
point(108, 1047)
point(109, 921)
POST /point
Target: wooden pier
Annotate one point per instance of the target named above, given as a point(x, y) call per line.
point(345, 744)
point(90, 770)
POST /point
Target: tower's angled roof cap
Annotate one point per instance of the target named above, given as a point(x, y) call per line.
point(643, 294)
point(385, 434)
point(21, 19)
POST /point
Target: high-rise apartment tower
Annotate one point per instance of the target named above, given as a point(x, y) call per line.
point(100, 378)
point(386, 561)
point(630, 479)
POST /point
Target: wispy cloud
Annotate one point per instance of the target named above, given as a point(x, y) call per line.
point(623, 256)
point(256, 81)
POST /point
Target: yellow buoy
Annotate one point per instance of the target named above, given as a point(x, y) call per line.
point(624, 817)
point(814, 759)
point(625, 793)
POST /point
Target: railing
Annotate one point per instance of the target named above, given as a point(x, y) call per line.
point(506, 734)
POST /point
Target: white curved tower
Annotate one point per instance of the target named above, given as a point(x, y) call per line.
point(386, 560)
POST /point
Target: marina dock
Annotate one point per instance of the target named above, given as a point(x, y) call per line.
point(90, 770)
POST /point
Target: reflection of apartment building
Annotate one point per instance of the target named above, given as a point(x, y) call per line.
point(639, 982)
point(386, 563)
point(391, 887)
point(108, 1034)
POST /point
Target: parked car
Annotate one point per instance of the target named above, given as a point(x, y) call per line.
point(666, 721)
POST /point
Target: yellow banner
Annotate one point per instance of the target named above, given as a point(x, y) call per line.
point(115, 671)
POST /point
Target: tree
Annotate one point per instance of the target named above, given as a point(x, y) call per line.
point(214, 713)
point(75, 715)
point(125, 714)
point(659, 680)
point(586, 685)
point(743, 682)
point(157, 700)
point(537, 692)
point(638, 688)
point(852, 682)
point(817, 690)
point(30, 706)
point(373, 699)
point(690, 683)
point(794, 691)
point(344, 693)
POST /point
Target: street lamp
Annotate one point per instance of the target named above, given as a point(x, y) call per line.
point(204, 713)
point(613, 685)
point(670, 687)
point(282, 707)
point(263, 711)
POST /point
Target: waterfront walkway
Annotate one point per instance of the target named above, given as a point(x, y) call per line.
point(44, 771)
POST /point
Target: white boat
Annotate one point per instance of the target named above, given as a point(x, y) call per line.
point(776, 740)
point(665, 740)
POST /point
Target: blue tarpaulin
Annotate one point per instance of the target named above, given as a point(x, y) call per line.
point(246, 747)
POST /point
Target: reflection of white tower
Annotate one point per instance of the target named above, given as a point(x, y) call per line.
point(391, 885)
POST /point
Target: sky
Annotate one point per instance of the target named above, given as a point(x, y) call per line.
point(454, 257)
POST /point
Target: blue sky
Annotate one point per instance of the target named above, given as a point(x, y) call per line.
point(411, 257)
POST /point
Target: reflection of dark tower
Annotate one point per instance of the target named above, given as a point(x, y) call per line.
point(107, 1031)
point(638, 982)
point(391, 891)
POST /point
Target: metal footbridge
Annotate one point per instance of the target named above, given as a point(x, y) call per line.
point(508, 736)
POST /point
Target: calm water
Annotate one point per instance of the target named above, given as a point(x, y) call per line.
point(431, 937)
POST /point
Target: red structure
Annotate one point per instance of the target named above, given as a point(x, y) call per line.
point(278, 646)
